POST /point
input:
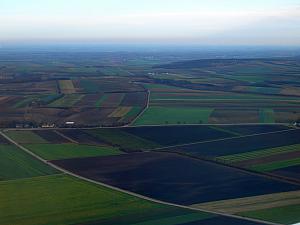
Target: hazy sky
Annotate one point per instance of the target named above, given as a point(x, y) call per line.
point(253, 22)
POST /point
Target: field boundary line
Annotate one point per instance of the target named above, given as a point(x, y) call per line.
point(245, 170)
point(64, 171)
point(142, 112)
point(222, 139)
point(66, 137)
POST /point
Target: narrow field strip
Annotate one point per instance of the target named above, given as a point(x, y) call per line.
point(224, 139)
point(67, 151)
point(253, 203)
point(257, 154)
point(283, 215)
point(67, 87)
point(267, 167)
point(120, 111)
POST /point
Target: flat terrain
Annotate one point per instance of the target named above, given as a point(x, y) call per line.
point(172, 115)
point(168, 177)
point(64, 151)
point(216, 134)
point(240, 144)
point(72, 202)
point(14, 164)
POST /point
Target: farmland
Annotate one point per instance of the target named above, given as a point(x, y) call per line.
point(74, 201)
point(104, 90)
point(141, 173)
point(163, 115)
point(214, 132)
point(62, 151)
point(16, 164)
point(233, 145)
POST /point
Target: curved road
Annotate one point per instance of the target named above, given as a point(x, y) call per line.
point(127, 192)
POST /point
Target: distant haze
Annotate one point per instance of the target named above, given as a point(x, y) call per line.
point(214, 22)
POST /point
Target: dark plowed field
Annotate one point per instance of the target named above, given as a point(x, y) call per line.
point(173, 178)
point(291, 172)
point(135, 99)
point(174, 135)
point(240, 145)
point(82, 137)
point(51, 136)
point(254, 129)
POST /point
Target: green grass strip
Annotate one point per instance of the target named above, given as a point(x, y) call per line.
point(283, 215)
point(65, 151)
point(123, 139)
point(266, 116)
point(67, 101)
point(133, 112)
point(267, 167)
point(25, 137)
point(101, 100)
point(174, 115)
point(260, 153)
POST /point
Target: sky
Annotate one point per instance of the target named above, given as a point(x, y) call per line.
point(203, 22)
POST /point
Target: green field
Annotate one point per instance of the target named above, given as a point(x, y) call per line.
point(25, 137)
point(284, 215)
point(133, 112)
point(266, 116)
point(125, 140)
point(14, 163)
point(62, 200)
point(65, 151)
point(174, 115)
point(25, 102)
point(267, 167)
point(89, 86)
point(258, 154)
point(102, 99)
point(66, 101)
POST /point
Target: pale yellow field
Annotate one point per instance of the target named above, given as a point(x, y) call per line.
point(3, 98)
point(67, 87)
point(120, 111)
point(291, 91)
point(234, 206)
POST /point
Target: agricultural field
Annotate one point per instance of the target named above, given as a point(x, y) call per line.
point(174, 115)
point(72, 200)
point(76, 202)
point(112, 91)
point(237, 145)
point(126, 141)
point(142, 173)
point(67, 87)
point(174, 135)
point(65, 151)
point(15, 164)
point(67, 101)
point(26, 137)
point(137, 132)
